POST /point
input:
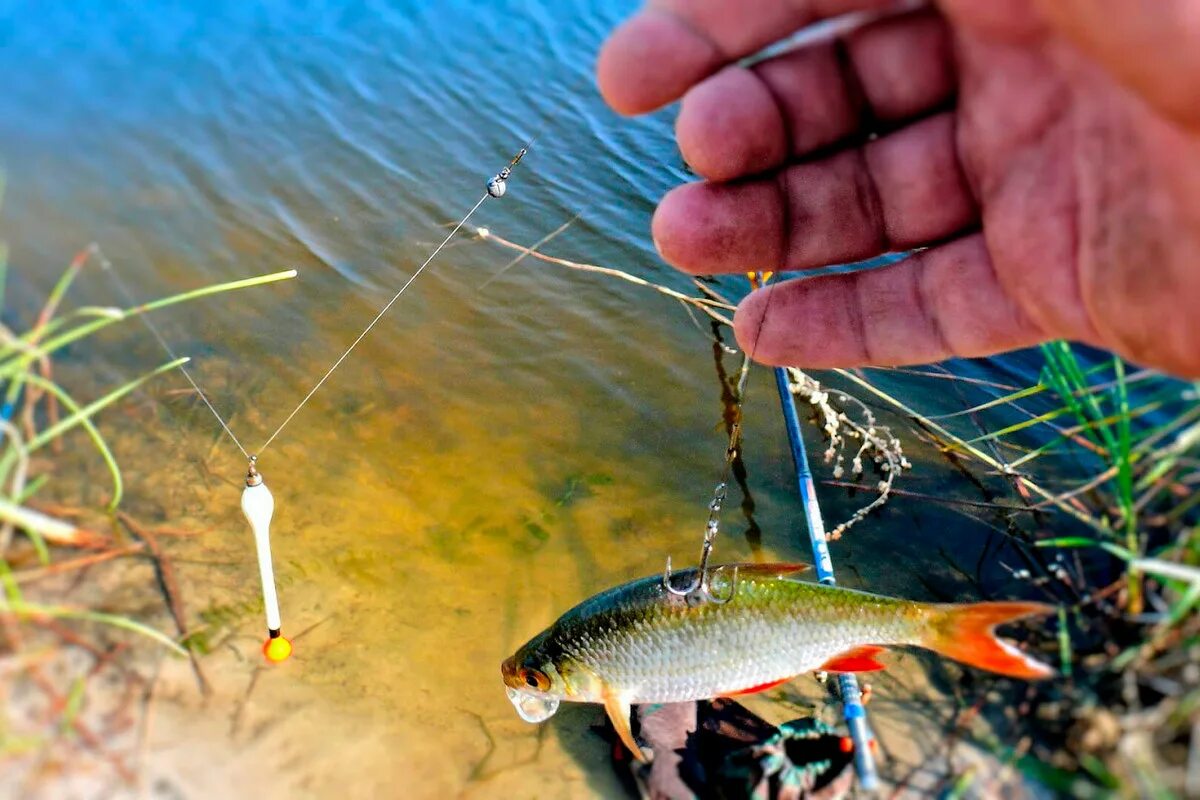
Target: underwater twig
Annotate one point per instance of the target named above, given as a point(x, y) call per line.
point(29, 576)
point(170, 588)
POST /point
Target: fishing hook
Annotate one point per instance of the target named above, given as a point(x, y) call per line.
point(700, 589)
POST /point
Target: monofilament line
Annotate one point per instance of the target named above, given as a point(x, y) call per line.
point(128, 297)
point(371, 325)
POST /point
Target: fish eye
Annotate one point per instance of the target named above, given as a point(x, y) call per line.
point(535, 679)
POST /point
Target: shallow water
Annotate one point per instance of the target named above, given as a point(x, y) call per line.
point(488, 457)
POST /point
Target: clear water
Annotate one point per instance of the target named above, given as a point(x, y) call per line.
point(488, 457)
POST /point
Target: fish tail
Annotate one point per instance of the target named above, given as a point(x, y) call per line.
point(967, 633)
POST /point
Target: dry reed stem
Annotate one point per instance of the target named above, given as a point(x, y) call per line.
point(708, 306)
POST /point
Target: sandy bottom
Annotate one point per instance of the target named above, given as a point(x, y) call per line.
point(407, 574)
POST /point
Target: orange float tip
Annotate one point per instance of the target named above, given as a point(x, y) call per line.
point(277, 649)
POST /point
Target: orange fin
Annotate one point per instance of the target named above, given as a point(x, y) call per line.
point(860, 659)
point(760, 688)
point(967, 633)
point(618, 712)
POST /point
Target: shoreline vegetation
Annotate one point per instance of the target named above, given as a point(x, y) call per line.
point(38, 640)
point(1092, 476)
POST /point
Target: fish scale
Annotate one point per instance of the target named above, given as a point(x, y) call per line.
point(644, 643)
point(662, 650)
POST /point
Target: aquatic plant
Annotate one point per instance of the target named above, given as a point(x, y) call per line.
point(1104, 462)
point(40, 540)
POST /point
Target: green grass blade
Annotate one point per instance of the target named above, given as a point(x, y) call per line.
point(1019, 426)
point(73, 705)
point(12, 591)
point(1083, 541)
point(67, 423)
point(34, 610)
point(86, 423)
point(1064, 643)
point(17, 363)
point(54, 431)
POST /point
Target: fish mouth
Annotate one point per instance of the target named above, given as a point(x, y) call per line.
point(532, 707)
point(508, 670)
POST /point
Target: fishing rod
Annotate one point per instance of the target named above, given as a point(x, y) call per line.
point(700, 590)
point(853, 710)
point(257, 503)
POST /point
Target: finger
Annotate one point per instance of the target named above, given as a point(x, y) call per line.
point(743, 121)
point(901, 191)
point(939, 303)
point(654, 57)
point(1152, 47)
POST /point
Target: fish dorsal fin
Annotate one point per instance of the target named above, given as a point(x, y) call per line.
point(774, 570)
point(618, 713)
point(859, 659)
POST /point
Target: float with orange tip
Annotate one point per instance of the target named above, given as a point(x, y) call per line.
point(642, 643)
point(258, 504)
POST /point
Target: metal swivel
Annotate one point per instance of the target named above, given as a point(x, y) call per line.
point(499, 184)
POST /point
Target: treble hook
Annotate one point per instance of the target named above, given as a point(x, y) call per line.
point(700, 589)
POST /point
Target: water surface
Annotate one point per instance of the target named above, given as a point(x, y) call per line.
point(489, 456)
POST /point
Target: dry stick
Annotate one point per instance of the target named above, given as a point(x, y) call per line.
point(70, 637)
point(30, 576)
point(707, 306)
point(712, 293)
point(527, 250)
point(1103, 477)
point(166, 578)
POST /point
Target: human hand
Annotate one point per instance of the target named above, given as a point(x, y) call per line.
point(1045, 153)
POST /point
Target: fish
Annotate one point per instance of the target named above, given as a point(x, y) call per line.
point(640, 643)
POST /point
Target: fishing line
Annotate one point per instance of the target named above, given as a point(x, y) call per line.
point(496, 188)
point(375, 321)
point(123, 290)
point(258, 504)
point(700, 588)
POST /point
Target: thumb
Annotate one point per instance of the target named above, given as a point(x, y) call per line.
point(1151, 47)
